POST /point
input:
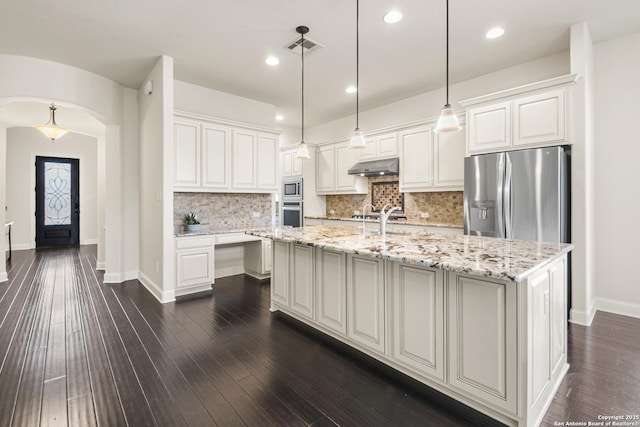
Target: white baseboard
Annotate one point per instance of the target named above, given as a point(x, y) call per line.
point(257, 275)
point(20, 246)
point(154, 289)
point(101, 265)
point(113, 278)
point(618, 307)
point(3, 277)
point(131, 275)
point(581, 317)
point(89, 242)
point(229, 271)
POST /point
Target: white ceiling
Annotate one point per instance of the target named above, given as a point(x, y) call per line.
point(223, 44)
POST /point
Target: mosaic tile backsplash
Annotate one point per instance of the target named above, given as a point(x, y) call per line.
point(223, 211)
point(443, 207)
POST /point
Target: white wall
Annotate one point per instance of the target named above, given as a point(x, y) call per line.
point(3, 198)
point(153, 191)
point(24, 78)
point(197, 99)
point(617, 197)
point(23, 144)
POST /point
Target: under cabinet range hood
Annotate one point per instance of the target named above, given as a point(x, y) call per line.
point(376, 167)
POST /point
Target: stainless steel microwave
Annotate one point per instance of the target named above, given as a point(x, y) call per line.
point(292, 189)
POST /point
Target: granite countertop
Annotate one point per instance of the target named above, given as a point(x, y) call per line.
point(423, 224)
point(482, 256)
point(206, 231)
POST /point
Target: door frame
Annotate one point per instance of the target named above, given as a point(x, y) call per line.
point(32, 201)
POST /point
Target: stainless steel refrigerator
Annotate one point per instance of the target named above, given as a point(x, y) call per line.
point(520, 194)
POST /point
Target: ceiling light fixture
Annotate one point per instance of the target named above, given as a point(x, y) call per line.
point(351, 89)
point(51, 128)
point(357, 139)
point(494, 33)
point(448, 121)
point(302, 152)
point(392, 17)
point(279, 117)
point(272, 60)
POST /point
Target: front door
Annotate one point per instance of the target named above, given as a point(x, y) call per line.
point(57, 202)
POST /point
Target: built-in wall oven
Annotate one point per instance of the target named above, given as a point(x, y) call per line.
point(292, 201)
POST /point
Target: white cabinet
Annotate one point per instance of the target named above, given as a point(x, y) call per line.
point(331, 290)
point(302, 281)
point(290, 164)
point(380, 147)
point(483, 339)
point(280, 275)
point(416, 159)
point(194, 264)
point(518, 119)
point(332, 164)
point(216, 156)
point(366, 301)
point(448, 161)
point(257, 258)
point(221, 157)
point(186, 153)
point(418, 318)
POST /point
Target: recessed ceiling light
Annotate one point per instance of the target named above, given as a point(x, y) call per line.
point(494, 33)
point(279, 117)
point(351, 89)
point(392, 17)
point(272, 60)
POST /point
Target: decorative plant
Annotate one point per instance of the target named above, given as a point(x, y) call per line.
point(191, 218)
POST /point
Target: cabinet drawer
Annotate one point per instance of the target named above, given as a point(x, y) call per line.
point(194, 242)
point(224, 239)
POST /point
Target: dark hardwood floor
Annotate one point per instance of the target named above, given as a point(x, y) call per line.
point(76, 352)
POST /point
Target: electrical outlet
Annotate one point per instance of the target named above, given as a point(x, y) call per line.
point(424, 215)
point(356, 212)
point(332, 211)
point(256, 214)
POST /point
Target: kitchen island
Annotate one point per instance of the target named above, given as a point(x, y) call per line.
point(482, 320)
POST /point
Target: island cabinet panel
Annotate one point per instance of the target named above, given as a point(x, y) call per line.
point(558, 322)
point(331, 284)
point(280, 274)
point(418, 318)
point(366, 302)
point(540, 345)
point(483, 340)
point(302, 288)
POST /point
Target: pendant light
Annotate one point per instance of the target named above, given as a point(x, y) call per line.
point(448, 121)
point(303, 151)
point(357, 139)
point(51, 129)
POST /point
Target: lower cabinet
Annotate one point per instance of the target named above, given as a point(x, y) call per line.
point(482, 339)
point(257, 258)
point(280, 274)
point(366, 301)
point(331, 283)
point(194, 264)
point(302, 280)
point(418, 318)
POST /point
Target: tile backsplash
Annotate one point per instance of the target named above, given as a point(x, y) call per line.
point(443, 207)
point(223, 211)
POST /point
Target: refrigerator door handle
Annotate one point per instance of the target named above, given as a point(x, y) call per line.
point(508, 213)
point(499, 196)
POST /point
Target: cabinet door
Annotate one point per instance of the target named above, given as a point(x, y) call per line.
point(296, 164)
point(416, 160)
point(267, 162)
point(539, 119)
point(302, 283)
point(216, 156)
point(448, 165)
point(346, 157)
point(285, 162)
point(482, 339)
point(365, 293)
point(186, 145)
point(244, 160)
point(558, 275)
point(489, 127)
point(331, 290)
point(325, 170)
point(266, 256)
point(370, 151)
point(280, 274)
point(387, 146)
point(194, 267)
point(539, 299)
point(418, 319)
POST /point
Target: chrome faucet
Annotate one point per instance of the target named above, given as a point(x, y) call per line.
point(384, 216)
point(364, 211)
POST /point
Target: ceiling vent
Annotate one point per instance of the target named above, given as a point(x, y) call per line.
point(309, 45)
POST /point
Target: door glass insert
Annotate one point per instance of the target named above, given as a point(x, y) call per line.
point(57, 193)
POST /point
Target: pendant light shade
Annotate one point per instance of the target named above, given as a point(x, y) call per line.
point(302, 152)
point(357, 139)
point(448, 121)
point(51, 129)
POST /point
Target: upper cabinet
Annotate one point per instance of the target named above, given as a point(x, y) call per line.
point(332, 165)
point(290, 165)
point(223, 157)
point(380, 147)
point(529, 116)
point(431, 161)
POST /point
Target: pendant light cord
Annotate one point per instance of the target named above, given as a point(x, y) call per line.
point(302, 47)
point(448, 105)
point(357, 62)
